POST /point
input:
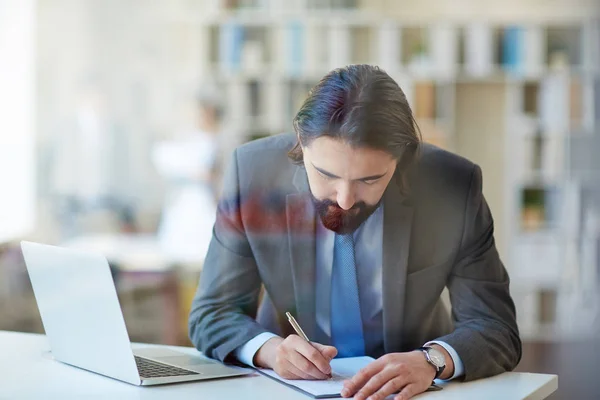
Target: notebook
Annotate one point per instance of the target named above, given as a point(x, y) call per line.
point(341, 369)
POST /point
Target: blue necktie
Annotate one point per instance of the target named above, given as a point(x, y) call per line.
point(346, 323)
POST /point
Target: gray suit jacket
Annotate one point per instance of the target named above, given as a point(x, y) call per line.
point(440, 234)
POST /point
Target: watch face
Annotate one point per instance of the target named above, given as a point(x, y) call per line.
point(437, 358)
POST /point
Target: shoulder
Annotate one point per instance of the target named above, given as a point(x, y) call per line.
point(265, 162)
point(276, 145)
point(439, 161)
point(444, 181)
point(443, 170)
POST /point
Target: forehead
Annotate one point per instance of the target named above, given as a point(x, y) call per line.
point(339, 158)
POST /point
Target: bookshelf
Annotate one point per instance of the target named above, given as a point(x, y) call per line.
point(519, 95)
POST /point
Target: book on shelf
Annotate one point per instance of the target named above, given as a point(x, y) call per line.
point(254, 98)
point(231, 41)
point(443, 45)
point(513, 50)
point(527, 156)
point(575, 103)
point(572, 208)
point(553, 157)
point(591, 45)
point(523, 51)
point(553, 102)
point(596, 96)
point(330, 4)
point(530, 98)
point(425, 100)
point(252, 56)
point(294, 48)
point(533, 51)
point(479, 49)
point(244, 4)
point(547, 306)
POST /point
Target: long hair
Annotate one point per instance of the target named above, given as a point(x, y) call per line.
point(363, 106)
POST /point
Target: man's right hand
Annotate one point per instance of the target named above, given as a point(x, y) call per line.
point(295, 358)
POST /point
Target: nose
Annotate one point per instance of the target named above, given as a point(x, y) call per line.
point(345, 197)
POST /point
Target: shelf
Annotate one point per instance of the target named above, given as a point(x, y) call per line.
point(262, 17)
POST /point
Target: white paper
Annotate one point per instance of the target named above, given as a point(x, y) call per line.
point(341, 369)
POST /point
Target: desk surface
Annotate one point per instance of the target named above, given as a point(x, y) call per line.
point(27, 371)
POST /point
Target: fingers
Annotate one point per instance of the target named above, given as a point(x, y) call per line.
point(351, 386)
point(312, 353)
point(328, 352)
point(298, 357)
point(408, 392)
point(390, 380)
point(307, 367)
point(289, 371)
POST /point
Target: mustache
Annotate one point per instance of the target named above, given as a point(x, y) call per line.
point(330, 206)
point(339, 220)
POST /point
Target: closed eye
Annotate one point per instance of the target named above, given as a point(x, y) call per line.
point(369, 181)
point(325, 174)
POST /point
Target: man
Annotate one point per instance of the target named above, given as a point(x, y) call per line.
point(355, 227)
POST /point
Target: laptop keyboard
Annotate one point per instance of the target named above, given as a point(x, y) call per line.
point(152, 369)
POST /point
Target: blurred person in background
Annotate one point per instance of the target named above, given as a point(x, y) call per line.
point(355, 226)
point(89, 165)
point(188, 163)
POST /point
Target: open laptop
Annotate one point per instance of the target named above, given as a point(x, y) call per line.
point(84, 324)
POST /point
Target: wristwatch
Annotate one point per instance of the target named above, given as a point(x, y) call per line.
point(435, 358)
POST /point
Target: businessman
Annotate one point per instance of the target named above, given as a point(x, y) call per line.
point(355, 227)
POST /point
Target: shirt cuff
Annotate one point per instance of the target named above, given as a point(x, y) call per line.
point(245, 353)
point(459, 368)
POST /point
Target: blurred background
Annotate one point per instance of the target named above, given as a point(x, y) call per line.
point(116, 116)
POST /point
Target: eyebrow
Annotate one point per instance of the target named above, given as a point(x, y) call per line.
point(366, 178)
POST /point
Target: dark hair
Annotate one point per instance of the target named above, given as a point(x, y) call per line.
point(363, 106)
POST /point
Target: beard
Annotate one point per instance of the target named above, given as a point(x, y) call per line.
point(342, 221)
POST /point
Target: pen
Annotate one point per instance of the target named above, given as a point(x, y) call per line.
point(298, 329)
point(296, 326)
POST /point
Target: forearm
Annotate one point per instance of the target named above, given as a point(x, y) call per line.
point(223, 310)
point(485, 349)
point(218, 331)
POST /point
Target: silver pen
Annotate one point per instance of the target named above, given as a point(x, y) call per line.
point(296, 326)
point(299, 330)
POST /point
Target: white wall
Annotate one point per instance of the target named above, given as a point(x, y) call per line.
point(17, 83)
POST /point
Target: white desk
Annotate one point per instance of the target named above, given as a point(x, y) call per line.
point(27, 371)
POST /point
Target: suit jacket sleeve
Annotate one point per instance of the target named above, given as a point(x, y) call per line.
point(225, 304)
point(486, 335)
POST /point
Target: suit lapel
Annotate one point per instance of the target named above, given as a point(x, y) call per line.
point(396, 243)
point(300, 214)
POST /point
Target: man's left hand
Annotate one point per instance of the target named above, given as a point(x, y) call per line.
point(406, 373)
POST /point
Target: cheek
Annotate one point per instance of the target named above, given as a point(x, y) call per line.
point(370, 194)
point(319, 187)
